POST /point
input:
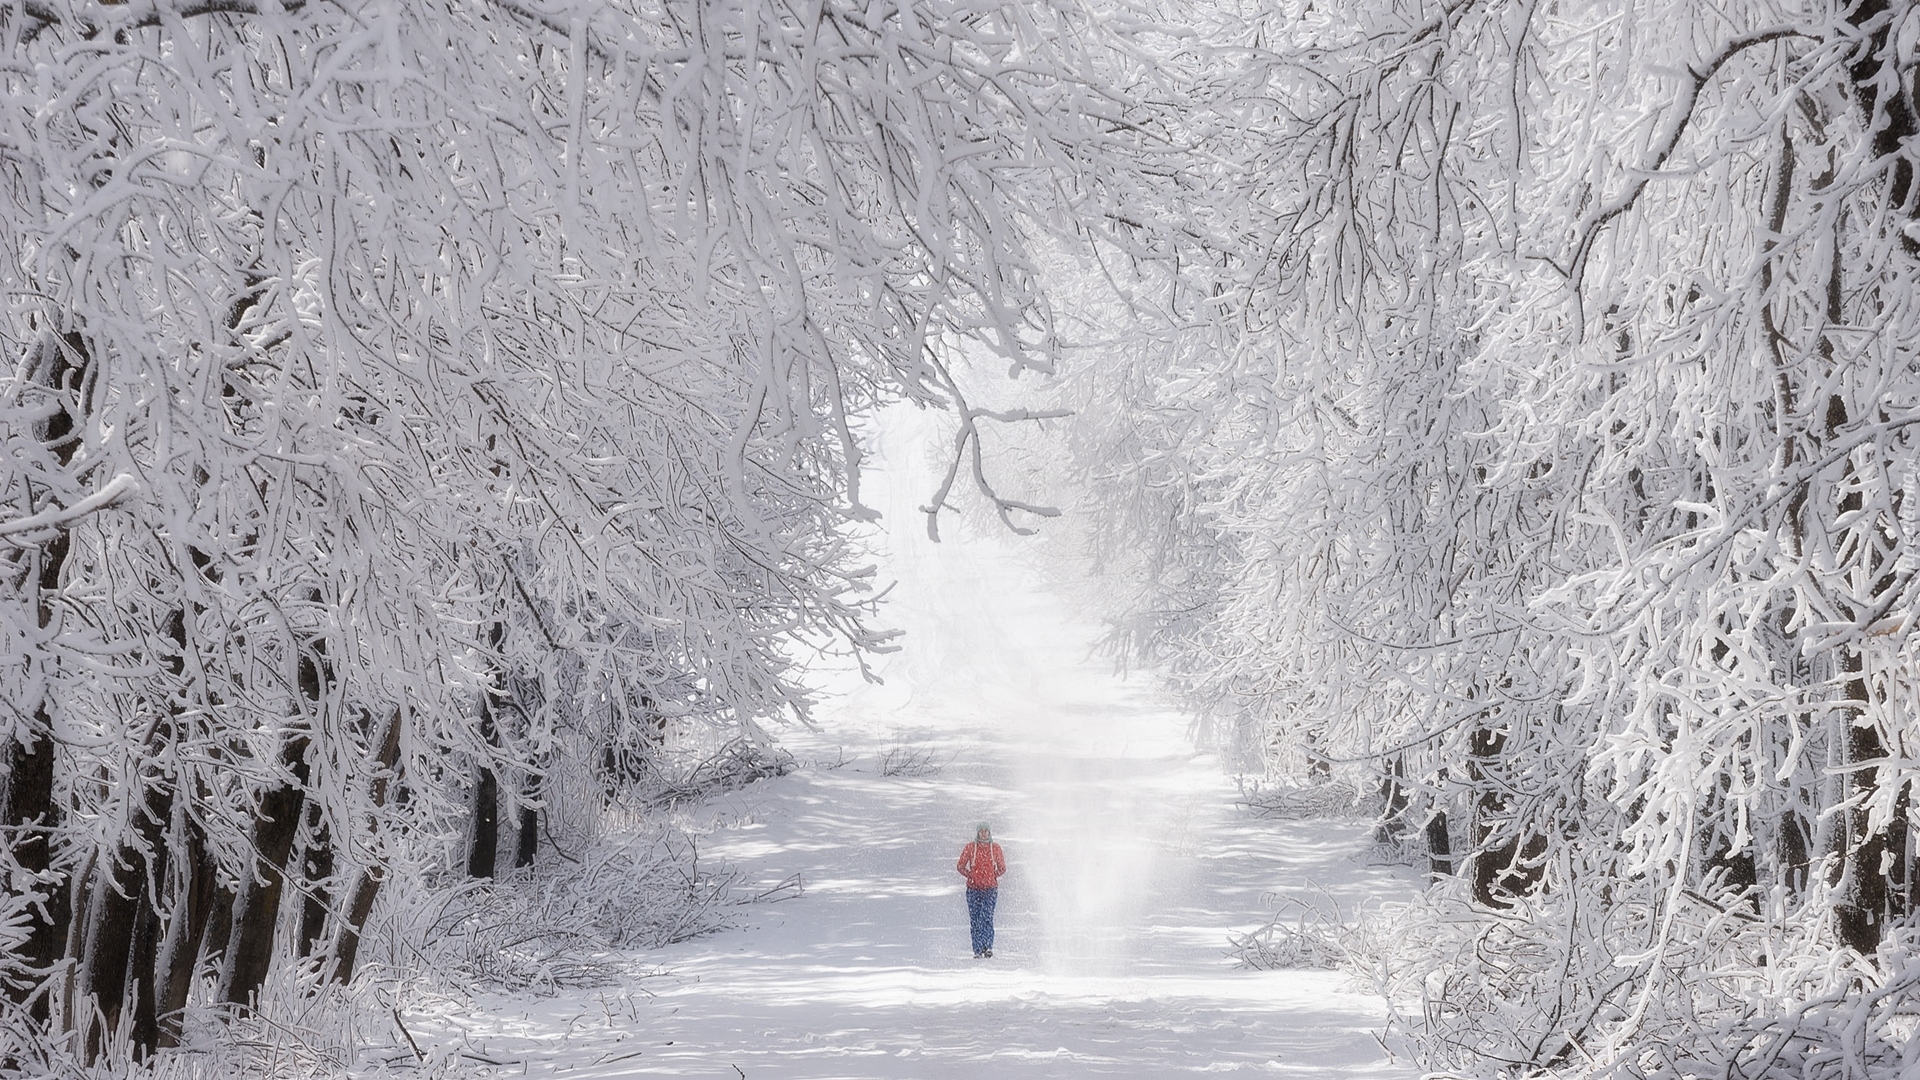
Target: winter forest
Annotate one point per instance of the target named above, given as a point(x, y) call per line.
point(433, 438)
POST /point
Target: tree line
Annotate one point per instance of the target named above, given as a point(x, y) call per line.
point(405, 403)
point(1531, 438)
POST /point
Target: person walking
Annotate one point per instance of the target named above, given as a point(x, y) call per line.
point(983, 864)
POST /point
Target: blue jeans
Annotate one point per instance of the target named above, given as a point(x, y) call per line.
point(980, 916)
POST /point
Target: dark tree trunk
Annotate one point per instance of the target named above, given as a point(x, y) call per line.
point(120, 965)
point(1900, 901)
point(61, 366)
point(195, 905)
point(484, 844)
point(1507, 855)
point(1728, 870)
point(1393, 799)
point(1896, 117)
point(107, 941)
point(527, 839)
point(347, 951)
point(1488, 858)
point(33, 817)
point(145, 974)
point(256, 915)
point(483, 848)
point(147, 964)
point(1319, 769)
point(629, 754)
point(1793, 850)
point(192, 879)
point(1488, 864)
point(317, 867)
point(219, 934)
point(123, 905)
point(1861, 908)
point(1439, 845)
point(1508, 869)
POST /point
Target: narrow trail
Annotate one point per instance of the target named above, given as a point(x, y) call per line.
point(1129, 863)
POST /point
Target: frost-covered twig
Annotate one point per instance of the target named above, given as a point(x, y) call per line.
point(911, 761)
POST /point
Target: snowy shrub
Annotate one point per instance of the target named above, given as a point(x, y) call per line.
point(1302, 934)
point(307, 1029)
point(1591, 986)
point(1497, 990)
point(577, 925)
point(1868, 1028)
point(25, 1051)
point(260, 1043)
point(691, 777)
point(1335, 799)
point(17, 901)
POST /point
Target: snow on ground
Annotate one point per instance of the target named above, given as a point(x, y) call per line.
point(1129, 864)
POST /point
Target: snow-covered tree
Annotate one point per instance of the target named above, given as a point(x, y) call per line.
point(404, 394)
point(1540, 439)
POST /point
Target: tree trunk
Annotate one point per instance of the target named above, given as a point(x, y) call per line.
point(484, 839)
point(34, 819)
point(116, 952)
point(197, 898)
point(1488, 860)
point(256, 914)
point(1319, 769)
point(527, 838)
point(316, 867)
point(167, 955)
point(1511, 866)
point(1726, 870)
point(1393, 799)
point(219, 934)
point(1900, 871)
point(1794, 848)
point(347, 951)
point(1860, 909)
point(144, 972)
point(1439, 845)
point(484, 842)
point(1895, 118)
point(60, 364)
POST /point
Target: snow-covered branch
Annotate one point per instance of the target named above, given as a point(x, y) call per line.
point(30, 529)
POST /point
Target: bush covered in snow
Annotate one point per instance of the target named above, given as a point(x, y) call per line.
point(1302, 934)
point(579, 923)
point(1571, 986)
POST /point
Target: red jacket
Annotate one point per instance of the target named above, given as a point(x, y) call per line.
point(983, 864)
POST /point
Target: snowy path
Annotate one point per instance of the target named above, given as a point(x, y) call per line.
point(1128, 865)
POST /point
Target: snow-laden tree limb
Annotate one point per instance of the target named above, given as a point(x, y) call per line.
point(25, 530)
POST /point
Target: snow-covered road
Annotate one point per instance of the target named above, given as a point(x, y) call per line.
point(1128, 866)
